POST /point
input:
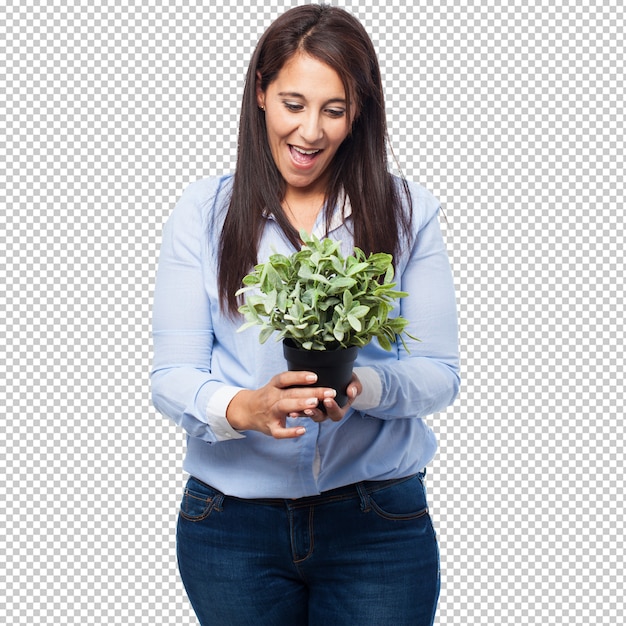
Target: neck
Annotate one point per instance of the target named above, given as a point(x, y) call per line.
point(302, 209)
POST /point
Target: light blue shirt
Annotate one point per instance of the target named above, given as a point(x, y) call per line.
point(201, 362)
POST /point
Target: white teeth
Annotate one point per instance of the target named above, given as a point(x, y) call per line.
point(301, 151)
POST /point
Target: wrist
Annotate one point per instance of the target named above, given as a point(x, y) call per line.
point(238, 409)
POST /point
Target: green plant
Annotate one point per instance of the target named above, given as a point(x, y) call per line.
point(323, 301)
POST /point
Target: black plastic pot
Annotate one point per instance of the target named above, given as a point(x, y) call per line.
point(333, 367)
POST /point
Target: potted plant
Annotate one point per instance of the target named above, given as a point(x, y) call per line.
point(324, 306)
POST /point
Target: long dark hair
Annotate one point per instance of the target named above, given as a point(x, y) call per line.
point(332, 36)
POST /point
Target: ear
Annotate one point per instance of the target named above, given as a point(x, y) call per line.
point(260, 94)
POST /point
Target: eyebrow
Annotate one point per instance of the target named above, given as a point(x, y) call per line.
point(295, 94)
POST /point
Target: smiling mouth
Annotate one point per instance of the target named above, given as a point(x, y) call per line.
point(302, 156)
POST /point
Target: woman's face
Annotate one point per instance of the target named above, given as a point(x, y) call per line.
point(306, 121)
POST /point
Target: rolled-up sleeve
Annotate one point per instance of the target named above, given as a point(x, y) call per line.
point(181, 378)
point(426, 379)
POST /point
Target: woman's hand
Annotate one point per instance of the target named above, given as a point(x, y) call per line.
point(287, 394)
point(333, 410)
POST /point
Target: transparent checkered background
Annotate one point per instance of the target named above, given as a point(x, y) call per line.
point(510, 112)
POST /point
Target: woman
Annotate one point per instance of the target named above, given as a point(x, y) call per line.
point(292, 515)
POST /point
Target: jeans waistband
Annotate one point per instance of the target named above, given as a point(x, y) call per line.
point(354, 490)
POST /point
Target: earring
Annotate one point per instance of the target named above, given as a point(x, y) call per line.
point(262, 108)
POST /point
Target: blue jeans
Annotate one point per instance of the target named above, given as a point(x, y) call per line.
point(362, 555)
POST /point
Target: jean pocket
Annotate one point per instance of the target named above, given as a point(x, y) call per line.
point(403, 501)
point(199, 501)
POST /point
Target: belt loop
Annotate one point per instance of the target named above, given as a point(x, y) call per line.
point(218, 499)
point(364, 496)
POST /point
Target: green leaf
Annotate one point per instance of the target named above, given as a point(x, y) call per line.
point(357, 268)
point(347, 300)
point(330, 247)
point(293, 331)
point(270, 301)
point(316, 257)
point(296, 310)
point(380, 261)
point(305, 272)
point(305, 237)
point(243, 290)
point(337, 264)
point(265, 334)
point(280, 260)
point(281, 301)
point(330, 303)
point(339, 283)
point(384, 343)
point(360, 311)
point(389, 274)
point(250, 280)
point(320, 278)
point(246, 326)
point(355, 322)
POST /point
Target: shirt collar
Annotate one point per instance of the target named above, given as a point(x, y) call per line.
point(341, 212)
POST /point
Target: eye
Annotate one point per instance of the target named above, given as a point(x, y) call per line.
point(336, 112)
point(293, 106)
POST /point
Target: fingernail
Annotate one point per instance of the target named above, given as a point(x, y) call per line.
point(311, 378)
point(312, 401)
point(328, 401)
point(308, 412)
point(300, 431)
point(330, 393)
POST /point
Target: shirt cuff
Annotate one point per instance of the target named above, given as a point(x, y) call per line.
point(372, 389)
point(216, 414)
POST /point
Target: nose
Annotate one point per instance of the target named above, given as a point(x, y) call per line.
point(311, 129)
